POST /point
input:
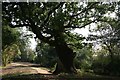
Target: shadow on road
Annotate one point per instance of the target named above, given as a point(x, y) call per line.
point(54, 77)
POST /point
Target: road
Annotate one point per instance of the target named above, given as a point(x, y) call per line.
point(24, 68)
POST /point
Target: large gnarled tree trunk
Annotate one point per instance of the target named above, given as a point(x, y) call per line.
point(66, 57)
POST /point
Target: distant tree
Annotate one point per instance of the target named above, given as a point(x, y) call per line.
point(46, 55)
point(10, 53)
point(24, 45)
point(10, 49)
point(31, 55)
point(9, 36)
point(109, 38)
point(14, 45)
point(84, 57)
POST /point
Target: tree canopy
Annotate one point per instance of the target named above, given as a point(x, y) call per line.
point(47, 20)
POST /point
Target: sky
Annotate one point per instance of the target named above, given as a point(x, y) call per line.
point(32, 40)
point(85, 31)
point(33, 43)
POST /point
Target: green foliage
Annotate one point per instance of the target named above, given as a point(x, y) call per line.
point(31, 55)
point(14, 46)
point(84, 58)
point(102, 63)
point(46, 55)
point(74, 40)
point(10, 48)
point(108, 37)
point(9, 36)
point(53, 18)
point(10, 53)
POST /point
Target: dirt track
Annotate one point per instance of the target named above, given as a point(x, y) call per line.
point(24, 68)
point(35, 72)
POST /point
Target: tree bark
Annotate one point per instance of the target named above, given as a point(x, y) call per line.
point(66, 59)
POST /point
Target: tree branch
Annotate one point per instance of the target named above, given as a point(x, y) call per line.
point(85, 9)
point(50, 12)
point(20, 25)
point(80, 26)
point(36, 30)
